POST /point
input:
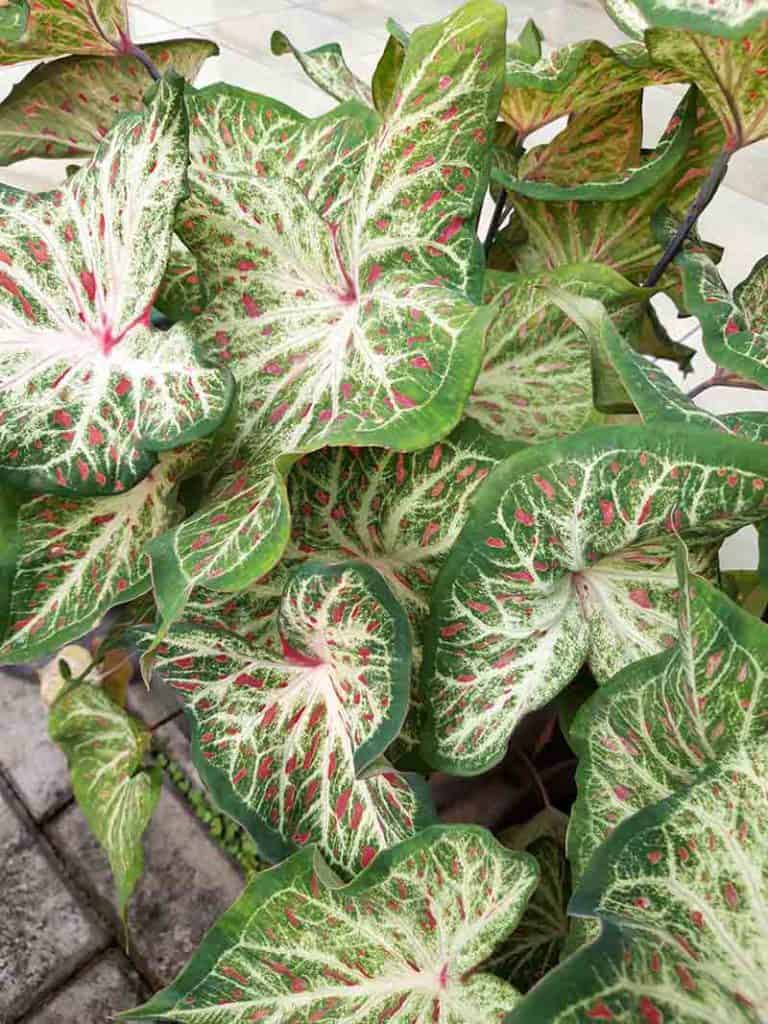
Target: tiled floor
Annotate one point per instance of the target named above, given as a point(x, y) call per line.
point(738, 219)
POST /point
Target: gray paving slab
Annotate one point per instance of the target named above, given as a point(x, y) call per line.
point(94, 995)
point(45, 932)
point(188, 882)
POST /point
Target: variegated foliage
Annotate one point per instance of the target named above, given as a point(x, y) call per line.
point(652, 391)
point(326, 67)
point(568, 555)
point(664, 719)
point(115, 790)
point(88, 391)
point(56, 27)
point(66, 108)
point(401, 943)
point(614, 168)
point(681, 890)
point(290, 720)
point(338, 257)
point(574, 79)
point(399, 512)
point(180, 295)
point(551, 233)
point(734, 327)
point(535, 383)
point(75, 558)
point(535, 946)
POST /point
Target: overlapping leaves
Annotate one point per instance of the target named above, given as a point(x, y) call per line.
point(405, 941)
point(338, 277)
point(117, 793)
point(75, 558)
point(292, 713)
point(663, 719)
point(55, 27)
point(88, 391)
point(535, 383)
point(681, 891)
point(734, 327)
point(326, 66)
point(66, 108)
point(568, 556)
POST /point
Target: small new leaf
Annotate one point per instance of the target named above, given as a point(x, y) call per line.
point(106, 748)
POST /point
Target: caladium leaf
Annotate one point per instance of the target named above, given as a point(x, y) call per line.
point(574, 78)
point(597, 144)
point(117, 793)
point(734, 327)
point(730, 72)
point(349, 322)
point(327, 68)
point(87, 390)
point(75, 558)
point(724, 19)
point(681, 890)
point(288, 725)
point(399, 512)
point(625, 182)
point(568, 556)
point(663, 719)
point(407, 936)
point(65, 108)
point(618, 232)
point(536, 382)
point(527, 46)
point(56, 27)
point(535, 946)
point(13, 20)
point(180, 295)
point(654, 393)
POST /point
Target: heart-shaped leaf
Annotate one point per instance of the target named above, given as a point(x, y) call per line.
point(105, 748)
point(616, 232)
point(52, 28)
point(568, 555)
point(536, 381)
point(387, 73)
point(681, 890)
point(734, 327)
point(339, 298)
point(88, 392)
point(625, 182)
point(326, 66)
point(65, 108)
point(730, 72)
point(289, 723)
point(574, 78)
point(663, 719)
point(75, 558)
point(405, 939)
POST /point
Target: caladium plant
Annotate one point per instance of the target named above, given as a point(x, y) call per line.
point(361, 428)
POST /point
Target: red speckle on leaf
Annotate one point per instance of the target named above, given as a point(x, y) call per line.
point(607, 511)
point(452, 228)
point(640, 597)
point(367, 856)
point(731, 327)
point(600, 1011)
point(495, 542)
point(650, 1013)
point(88, 282)
point(62, 418)
point(544, 486)
point(524, 517)
point(374, 274)
point(123, 387)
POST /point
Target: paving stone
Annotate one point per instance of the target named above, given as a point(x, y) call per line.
point(35, 765)
point(44, 933)
point(188, 882)
point(95, 995)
